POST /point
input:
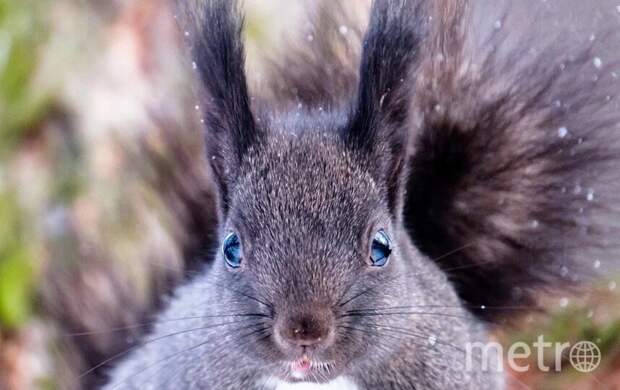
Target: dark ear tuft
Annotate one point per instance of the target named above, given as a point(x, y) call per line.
point(378, 123)
point(513, 168)
point(214, 29)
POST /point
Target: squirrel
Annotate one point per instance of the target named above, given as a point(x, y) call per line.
point(373, 225)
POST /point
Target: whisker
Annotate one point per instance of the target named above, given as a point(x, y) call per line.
point(177, 353)
point(150, 341)
point(245, 295)
point(409, 332)
point(387, 343)
point(447, 270)
point(254, 332)
point(436, 259)
point(224, 334)
point(144, 324)
point(447, 307)
point(456, 268)
point(389, 311)
point(248, 335)
point(264, 337)
point(372, 333)
point(401, 307)
point(150, 366)
point(379, 314)
point(366, 291)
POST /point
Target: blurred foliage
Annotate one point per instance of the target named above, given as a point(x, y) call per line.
point(16, 265)
point(22, 31)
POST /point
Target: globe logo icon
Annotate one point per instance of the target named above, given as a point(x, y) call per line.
point(585, 356)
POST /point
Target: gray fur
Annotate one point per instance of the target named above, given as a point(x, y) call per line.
point(316, 260)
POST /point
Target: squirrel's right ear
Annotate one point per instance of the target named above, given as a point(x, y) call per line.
point(214, 29)
point(378, 124)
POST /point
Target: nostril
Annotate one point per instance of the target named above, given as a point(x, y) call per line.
point(305, 330)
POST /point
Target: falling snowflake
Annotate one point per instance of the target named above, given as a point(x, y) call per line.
point(562, 131)
point(598, 63)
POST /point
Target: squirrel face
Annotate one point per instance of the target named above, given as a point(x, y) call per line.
point(315, 260)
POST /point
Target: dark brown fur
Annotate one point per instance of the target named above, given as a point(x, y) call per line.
point(495, 180)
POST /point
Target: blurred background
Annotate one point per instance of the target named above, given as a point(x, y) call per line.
point(105, 197)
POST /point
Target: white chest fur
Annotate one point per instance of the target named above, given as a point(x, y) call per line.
point(340, 383)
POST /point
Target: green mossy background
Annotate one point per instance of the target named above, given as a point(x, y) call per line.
point(22, 104)
point(22, 101)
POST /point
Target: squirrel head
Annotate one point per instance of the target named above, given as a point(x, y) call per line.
point(310, 224)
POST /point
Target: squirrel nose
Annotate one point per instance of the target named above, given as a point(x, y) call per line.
point(306, 329)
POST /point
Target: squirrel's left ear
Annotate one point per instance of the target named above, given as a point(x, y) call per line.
point(378, 125)
point(215, 28)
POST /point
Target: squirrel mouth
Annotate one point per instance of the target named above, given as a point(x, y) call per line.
point(304, 367)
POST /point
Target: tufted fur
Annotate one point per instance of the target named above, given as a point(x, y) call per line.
point(462, 157)
point(515, 156)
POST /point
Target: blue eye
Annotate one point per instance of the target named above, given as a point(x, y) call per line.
point(381, 249)
point(231, 249)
